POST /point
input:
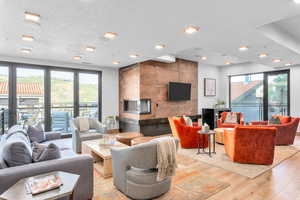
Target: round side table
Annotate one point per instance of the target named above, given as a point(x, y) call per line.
point(210, 134)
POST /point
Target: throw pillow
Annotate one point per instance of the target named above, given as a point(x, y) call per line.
point(274, 120)
point(17, 150)
point(231, 118)
point(35, 134)
point(43, 152)
point(188, 121)
point(83, 124)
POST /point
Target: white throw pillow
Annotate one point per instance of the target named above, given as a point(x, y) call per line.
point(188, 121)
point(231, 118)
point(83, 123)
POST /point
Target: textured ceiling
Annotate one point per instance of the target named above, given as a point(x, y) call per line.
point(68, 26)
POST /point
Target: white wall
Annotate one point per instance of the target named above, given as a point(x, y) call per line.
point(110, 81)
point(253, 68)
point(207, 71)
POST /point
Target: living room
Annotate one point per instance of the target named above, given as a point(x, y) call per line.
point(109, 100)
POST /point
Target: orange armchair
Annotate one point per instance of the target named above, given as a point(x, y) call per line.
point(250, 145)
point(187, 135)
point(286, 131)
point(221, 124)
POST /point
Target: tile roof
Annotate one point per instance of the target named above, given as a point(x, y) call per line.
point(35, 89)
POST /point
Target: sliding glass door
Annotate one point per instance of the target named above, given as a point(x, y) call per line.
point(278, 94)
point(4, 95)
point(261, 95)
point(30, 96)
point(247, 96)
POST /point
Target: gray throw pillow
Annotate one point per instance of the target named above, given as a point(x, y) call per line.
point(42, 152)
point(16, 153)
point(36, 134)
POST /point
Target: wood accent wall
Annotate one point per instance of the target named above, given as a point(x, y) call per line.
point(149, 80)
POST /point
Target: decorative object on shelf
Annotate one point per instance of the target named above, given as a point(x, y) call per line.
point(209, 87)
point(220, 104)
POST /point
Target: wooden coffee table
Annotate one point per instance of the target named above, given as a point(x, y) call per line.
point(101, 155)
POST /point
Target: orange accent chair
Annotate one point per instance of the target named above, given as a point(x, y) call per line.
point(250, 145)
point(221, 124)
point(187, 135)
point(286, 131)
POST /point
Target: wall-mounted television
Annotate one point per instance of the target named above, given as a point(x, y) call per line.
point(179, 91)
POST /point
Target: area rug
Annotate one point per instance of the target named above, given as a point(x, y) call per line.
point(189, 183)
point(221, 160)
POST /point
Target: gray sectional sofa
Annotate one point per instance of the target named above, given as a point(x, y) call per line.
point(68, 162)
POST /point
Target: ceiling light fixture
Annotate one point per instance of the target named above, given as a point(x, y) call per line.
point(263, 55)
point(90, 49)
point(191, 29)
point(160, 46)
point(227, 63)
point(297, 1)
point(28, 38)
point(25, 51)
point(133, 55)
point(276, 60)
point(32, 17)
point(116, 62)
point(110, 35)
point(77, 57)
point(204, 58)
point(243, 48)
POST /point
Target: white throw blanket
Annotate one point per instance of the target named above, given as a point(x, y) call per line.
point(166, 157)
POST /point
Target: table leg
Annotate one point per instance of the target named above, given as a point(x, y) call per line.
point(198, 144)
point(72, 196)
point(214, 137)
point(209, 145)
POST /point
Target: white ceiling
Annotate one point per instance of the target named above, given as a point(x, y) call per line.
point(68, 26)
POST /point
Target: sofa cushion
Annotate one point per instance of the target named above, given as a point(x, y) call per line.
point(43, 152)
point(283, 119)
point(17, 150)
point(64, 145)
point(90, 136)
point(188, 121)
point(36, 134)
point(231, 118)
point(142, 176)
point(2, 162)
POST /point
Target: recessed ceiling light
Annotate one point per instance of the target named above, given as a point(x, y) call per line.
point(263, 55)
point(133, 55)
point(25, 51)
point(90, 49)
point(32, 17)
point(77, 57)
point(115, 62)
point(276, 60)
point(27, 38)
point(204, 58)
point(227, 63)
point(191, 29)
point(297, 1)
point(288, 64)
point(243, 48)
point(110, 35)
point(160, 46)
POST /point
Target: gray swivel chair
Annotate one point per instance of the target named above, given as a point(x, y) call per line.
point(96, 131)
point(134, 171)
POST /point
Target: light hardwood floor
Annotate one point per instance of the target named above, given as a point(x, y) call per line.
point(280, 183)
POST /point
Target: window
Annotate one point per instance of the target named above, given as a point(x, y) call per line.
point(4, 96)
point(259, 96)
point(62, 100)
point(30, 96)
point(88, 95)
